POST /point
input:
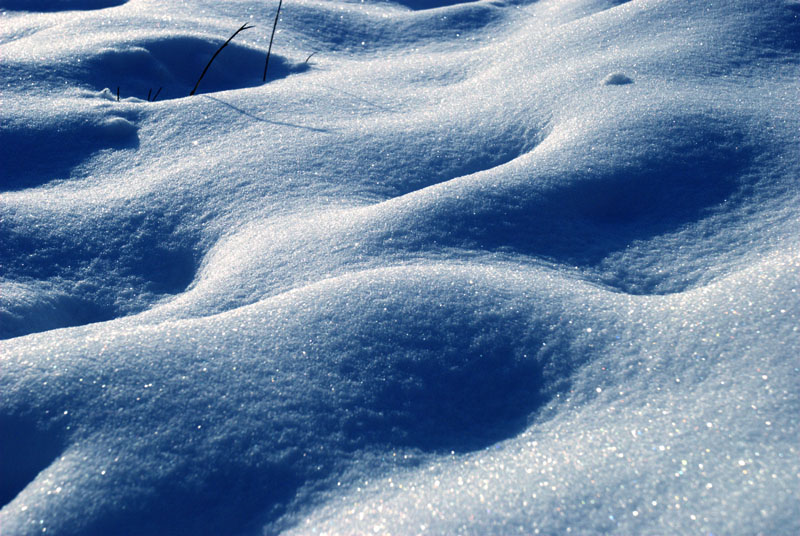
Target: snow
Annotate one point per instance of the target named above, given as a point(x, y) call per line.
point(484, 268)
point(617, 79)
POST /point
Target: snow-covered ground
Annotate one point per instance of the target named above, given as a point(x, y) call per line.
point(490, 267)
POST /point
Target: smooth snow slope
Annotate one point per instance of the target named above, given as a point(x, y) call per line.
point(483, 267)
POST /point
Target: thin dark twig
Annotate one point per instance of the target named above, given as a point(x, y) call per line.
point(309, 56)
point(244, 27)
point(117, 93)
point(271, 37)
point(156, 95)
point(150, 92)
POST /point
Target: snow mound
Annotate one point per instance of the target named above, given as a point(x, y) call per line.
point(38, 148)
point(617, 79)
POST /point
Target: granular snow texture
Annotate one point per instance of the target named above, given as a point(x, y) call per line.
point(488, 267)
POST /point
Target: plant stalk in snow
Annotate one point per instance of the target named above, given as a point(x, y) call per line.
point(244, 27)
point(271, 37)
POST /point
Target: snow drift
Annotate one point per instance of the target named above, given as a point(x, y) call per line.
point(482, 267)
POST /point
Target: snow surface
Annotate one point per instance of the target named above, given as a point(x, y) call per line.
point(489, 267)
